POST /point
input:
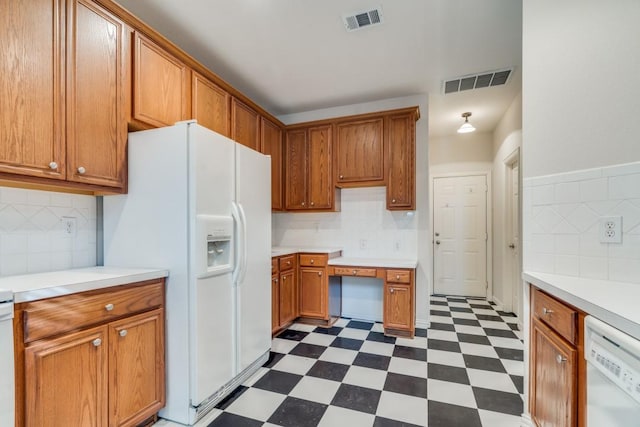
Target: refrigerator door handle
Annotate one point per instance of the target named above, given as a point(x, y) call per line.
point(243, 246)
point(239, 242)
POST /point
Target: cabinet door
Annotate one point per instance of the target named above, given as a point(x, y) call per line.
point(161, 85)
point(320, 184)
point(66, 380)
point(32, 88)
point(271, 144)
point(244, 124)
point(96, 121)
point(360, 152)
point(275, 304)
point(136, 366)
point(210, 105)
point(397, 306)
point(296, 169)
point(313, 293)
point(554, 387)
point(401, 145)
point(288, 297)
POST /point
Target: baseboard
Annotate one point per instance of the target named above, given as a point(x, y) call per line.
point(422, 323)
point(526, 421)
point(498, 304)
point(362, 316)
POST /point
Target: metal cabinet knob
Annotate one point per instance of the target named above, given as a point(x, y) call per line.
point(560, 358)
point(284, 278)
point(53, 165)
point(391, 290)
point(81, 170)
point(319, 273)
point(109, 307)
point(96, 342)
point(275, 280)
point(546, 310)
point(393, 200)
point(288, 263)
point(355, 272)
point(312, 261)
point(397, 277)
point(302, 203)
point(123, 333)
point(341, 176)
point(312, 204)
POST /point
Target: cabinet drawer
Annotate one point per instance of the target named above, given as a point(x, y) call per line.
point(399, 276)
point(61, 314)
point(274, 266)
point(351, 271)
point(287, 262)
point(558, 316)
point(313, 260)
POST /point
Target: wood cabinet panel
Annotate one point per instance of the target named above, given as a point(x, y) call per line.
point(561, 318)
point(313, 293)
point(355, 271)
point(32, 88)
point(399, 276)
point(320, 183)
point(271, 144)
point(288, 298)
point(66, 380)
point(359, 153)
point(313, 260)
point(96, 121)
point(554, 376)
point(136, 368)
point(161, 85)
point(287, 262)
point(398, 301)
point(401, 163)
point(211, 105)
point(245, 123)
point(275, 304)
point(296, 169)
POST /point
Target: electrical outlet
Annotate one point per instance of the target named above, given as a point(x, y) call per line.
point(610, 229)
point(363, 243)
point(70, 225)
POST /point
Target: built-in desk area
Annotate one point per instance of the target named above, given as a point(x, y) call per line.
point(398, 278)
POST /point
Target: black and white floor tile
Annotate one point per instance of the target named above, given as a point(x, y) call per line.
point(465, 371)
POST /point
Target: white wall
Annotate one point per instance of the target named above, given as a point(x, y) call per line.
point(581, 64)
point(470, 152)
point(32, 234)
point(363, 216)
point(507, 138)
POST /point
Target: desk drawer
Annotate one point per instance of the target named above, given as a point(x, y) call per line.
point(62, 314)
point(558, 316)
point(355, 271)
point(287, 262)
point(399, 276)
point(313, 260)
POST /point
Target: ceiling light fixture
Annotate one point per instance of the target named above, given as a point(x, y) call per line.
point(466, 126)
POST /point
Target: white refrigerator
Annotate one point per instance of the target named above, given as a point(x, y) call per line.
point(200, 205)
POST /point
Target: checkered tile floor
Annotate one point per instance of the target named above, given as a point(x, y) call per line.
point(467, 373)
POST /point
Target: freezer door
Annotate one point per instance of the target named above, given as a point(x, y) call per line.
point(253, 197)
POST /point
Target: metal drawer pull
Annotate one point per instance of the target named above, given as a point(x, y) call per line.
point(312, 261)
point(109, 307)
point(81, 170)
point(545, 310)
point(284, 278)
point(355, 272)
point(398, 277)
point(276, 280)
point(53, 165)
point(391, 290)
point(393, 201)
point(96, 342)
point(560, 358)
point(319, 273)
point(123, 333)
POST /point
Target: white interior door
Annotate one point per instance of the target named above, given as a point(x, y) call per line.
point(460, 235)
point(513, 222)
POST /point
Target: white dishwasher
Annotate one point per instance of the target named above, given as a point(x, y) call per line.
point(613, 376)
point(7, 387)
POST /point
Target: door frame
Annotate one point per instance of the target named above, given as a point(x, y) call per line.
point(507, 267)
point(489, 219)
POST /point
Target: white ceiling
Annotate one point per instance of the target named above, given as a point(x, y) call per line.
point(291, 56)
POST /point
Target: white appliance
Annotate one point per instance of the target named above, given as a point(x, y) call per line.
point(200, 205)
point(7, 385)
point(613, 376)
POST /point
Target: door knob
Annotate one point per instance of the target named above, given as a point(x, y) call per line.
point(512, 246)
point(437, 242)
point(437, 234)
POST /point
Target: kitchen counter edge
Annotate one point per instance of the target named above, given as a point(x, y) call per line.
point(611, 302)
point(285, 250)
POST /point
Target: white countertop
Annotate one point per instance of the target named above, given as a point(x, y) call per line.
point(615, 303)
point(287, 250)
point(31, 287)
point(374, 262)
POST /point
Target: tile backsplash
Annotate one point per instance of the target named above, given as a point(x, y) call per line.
point(561, 220)
point(33, 231)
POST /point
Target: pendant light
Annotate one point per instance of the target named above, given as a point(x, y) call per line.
point(466, 126)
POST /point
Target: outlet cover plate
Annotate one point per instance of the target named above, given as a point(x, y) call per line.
point(610, 229)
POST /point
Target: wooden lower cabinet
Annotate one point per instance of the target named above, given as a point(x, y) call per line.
point(275, 304)
point(399, 303)
point(284, 292)
point(105, 372)
point(288, 298)
point(313, 292)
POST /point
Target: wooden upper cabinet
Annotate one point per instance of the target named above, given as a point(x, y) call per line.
point(211, 105)
point(359, 153)
point(96, 73)
point(32, 88)
point(320, 183)
point(402, 162)
point(296, 169)
point(161, 85)
point(271, 144)
point(245, 123)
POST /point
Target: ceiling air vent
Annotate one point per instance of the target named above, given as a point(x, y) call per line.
point(366, 18)
point(477, 81)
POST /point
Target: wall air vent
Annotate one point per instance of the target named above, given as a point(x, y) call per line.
point(477, 81)
point(366, 18)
